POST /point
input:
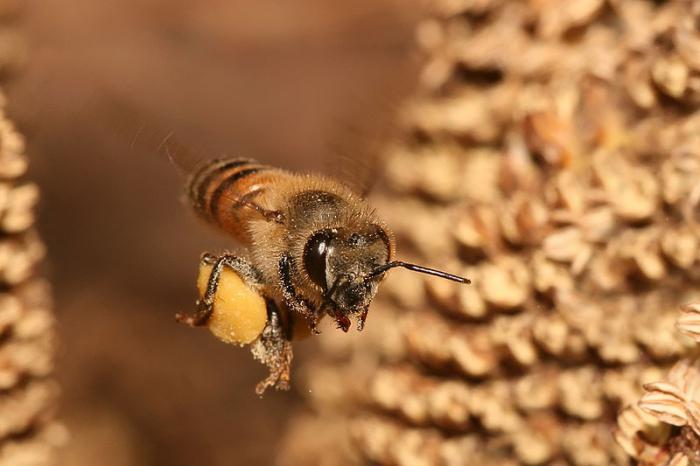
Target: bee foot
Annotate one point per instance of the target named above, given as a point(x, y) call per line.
point(312, 320)
point(273, 350)
point(200, 317)
point(185, 319)
point(207, 258)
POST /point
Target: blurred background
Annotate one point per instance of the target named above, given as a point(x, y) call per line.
point(278, 81)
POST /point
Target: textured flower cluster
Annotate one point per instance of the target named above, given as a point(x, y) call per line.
point(28, 433)
point(552, 155)
point(646, 428)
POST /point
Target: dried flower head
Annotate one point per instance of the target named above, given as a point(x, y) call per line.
point(552, 154)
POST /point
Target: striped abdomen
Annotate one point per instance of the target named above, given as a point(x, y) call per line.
point(223, 191)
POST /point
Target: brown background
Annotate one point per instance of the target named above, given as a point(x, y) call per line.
point(277, 80)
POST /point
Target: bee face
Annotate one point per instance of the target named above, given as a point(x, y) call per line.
point(339, 262)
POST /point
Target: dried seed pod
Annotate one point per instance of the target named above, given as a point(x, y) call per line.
point(492, 405)
point(537, 391)
point(524, 220)
point(506, 283)
point(401, 392)
point(17, 211)
point(655, 330)
point(638, 84)
point(624, 387)
point(553, 334)
point(581, 393)
point(675, 401)
point(636, 199)
point(687, 41)
point(13, 162)
point(665, 402)
point(689, 321)
point(478, 232)
point(28, 433)
point(472, 353)
point(551, 137)
point(550, 278)
point(641, 435)
point(513, 335)
point(641, 250)
point(564, 245)
point(588, 444)
point(449, 406)
point(556, 18)
point(670, 73)
point(532, 446)
point(680, 246)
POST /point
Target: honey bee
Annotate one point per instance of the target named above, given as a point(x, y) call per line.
point(315, 248)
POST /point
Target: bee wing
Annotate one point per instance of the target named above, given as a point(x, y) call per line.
point(362, 130)
point(137, 130)
point(142, 136)
point(180, 155)
point(355, 160)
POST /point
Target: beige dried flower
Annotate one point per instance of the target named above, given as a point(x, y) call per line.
point(642, 436)
point(665, 402)
point(28, 433)
point(689, 321)
point(687, 41)
point(670, 73)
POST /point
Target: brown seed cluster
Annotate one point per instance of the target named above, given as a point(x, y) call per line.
point(552, 155)
point(28, 434)
point(663, 426)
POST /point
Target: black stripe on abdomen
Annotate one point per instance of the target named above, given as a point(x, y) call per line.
point(227, 184)
point(204, 177)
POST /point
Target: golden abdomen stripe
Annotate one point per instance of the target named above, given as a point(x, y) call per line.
point(217, 189)
point(201, 182)
point(228, 186)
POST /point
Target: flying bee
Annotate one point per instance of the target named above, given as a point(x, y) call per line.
point(315, 248)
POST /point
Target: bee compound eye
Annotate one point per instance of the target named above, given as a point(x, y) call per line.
point(315, 256)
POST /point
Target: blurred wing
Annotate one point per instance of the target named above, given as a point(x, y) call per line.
point(360, 137)
point(362, 129)
point(180, 155)
point(134, 127)
point(142, 136)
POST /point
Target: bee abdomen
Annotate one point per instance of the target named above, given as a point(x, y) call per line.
point(222, 191)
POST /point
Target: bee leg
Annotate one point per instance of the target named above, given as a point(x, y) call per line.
point(273, 349)
point(205, 305)
point(361, 320)
point(293, 301)
point(209, 259)
point(269, 215)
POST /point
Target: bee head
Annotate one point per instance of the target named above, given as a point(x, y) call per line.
point(347, 266)
point(339, 262)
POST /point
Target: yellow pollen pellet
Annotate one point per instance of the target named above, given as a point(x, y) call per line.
point(239, 314)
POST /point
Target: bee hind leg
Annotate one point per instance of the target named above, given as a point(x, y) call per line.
point(273, 349)
point(205, 305)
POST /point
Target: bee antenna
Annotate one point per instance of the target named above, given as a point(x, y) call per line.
point(416, 268)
